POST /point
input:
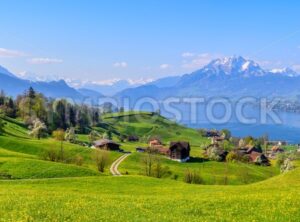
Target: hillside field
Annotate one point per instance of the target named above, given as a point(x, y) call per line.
point(32, 189)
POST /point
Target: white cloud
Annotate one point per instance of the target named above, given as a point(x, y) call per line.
point(187, 54)
point(8, 53)
point(120, 64)
point(44, 61)
point(164, 66)
point(198, 61)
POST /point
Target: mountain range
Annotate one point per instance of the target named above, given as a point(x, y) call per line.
point(232, 77)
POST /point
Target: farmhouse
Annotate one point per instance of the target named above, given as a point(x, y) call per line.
point(155, 142)
point(106, 144)
point(259, 158)
point(179, 151)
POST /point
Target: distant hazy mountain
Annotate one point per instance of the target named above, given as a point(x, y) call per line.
point(109, 87)
point(232, 77)
point(166, 82)
point(4, 71)
point(14, 86)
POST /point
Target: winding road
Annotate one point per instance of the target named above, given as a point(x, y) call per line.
point(114, 167)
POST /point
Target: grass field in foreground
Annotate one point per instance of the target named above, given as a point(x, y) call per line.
point(134, 198)
point(211, 172)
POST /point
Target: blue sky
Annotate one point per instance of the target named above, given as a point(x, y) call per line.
point(98, 40)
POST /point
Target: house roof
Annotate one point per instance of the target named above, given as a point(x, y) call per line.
point(180, 144)
point(104, 142)
point(254, 155)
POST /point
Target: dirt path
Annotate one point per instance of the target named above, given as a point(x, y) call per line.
point(114, 167)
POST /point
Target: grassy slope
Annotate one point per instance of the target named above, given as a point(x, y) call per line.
point(148, 124)
point(140, 124)
point(19, 156)
point(134, 198)
point(211, 172)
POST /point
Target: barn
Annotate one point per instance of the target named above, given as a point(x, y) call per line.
point(106, 144)
point(179, 151)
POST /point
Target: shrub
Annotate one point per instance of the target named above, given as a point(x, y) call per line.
point(101, 158)
point(231, 156)
point(280, 159)
point(78, 160)
point(50, 154)
point(287, 166)
point(192, 177)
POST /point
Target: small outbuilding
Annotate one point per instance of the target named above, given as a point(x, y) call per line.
point(133, 138)
point(106, 144)
point(179, 151)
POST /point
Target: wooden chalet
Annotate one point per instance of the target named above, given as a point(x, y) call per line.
point(179, 151)
point(259, 158)
point(106, 144)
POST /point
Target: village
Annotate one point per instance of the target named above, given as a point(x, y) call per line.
point(222, 148)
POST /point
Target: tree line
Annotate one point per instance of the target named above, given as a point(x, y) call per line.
point(45, 115)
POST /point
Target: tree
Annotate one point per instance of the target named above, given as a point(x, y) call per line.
point(249, 140)
point(95, 117)
point(94, 135)
point(83, 121)
point(226, 133)
point(59, 135)
point(2, 124)
point(2, 97)
point(226, 145)
point(148, 162)
point(107, 135)
point(60, 110)
point(72, 116)
point(121, 110)
point(287, 166)
point(38, 130)
point(101, 158)
point(70, 135)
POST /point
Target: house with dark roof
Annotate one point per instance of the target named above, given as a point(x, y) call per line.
point(259, 158)
point(133, 138)
point(106, 144)
point(179, 151)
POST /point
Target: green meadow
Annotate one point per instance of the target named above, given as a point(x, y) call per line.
point(33, 189)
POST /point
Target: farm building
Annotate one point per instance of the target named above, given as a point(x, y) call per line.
point(140, 149)
point(179, 151)
point(259, 158)
point(132, 138)
point(155, 142)
point(212, 133)
point(106, 144)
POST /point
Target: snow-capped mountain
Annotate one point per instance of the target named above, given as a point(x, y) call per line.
point(233, 66)
point(285, 71)
point(108, 87)
point(232, 77)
